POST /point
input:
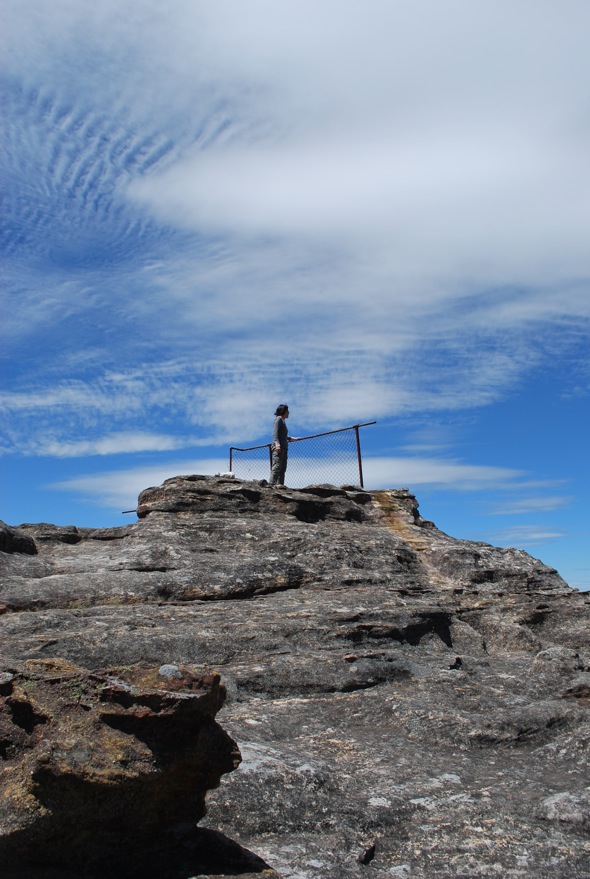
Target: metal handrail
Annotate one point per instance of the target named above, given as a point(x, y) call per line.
point(268, 446)
point(311, 436)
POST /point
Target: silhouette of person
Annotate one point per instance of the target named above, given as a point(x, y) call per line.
point(280, 445)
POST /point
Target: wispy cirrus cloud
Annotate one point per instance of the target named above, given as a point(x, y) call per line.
point(324, 190)
point(116, 487)
point(438, 472)
point(113, 444)
point(526, 535)
point(119, 489)
point(220, 401)
point(546, 503)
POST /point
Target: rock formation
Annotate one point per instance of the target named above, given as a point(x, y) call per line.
point(94, 760)
point(405, 704)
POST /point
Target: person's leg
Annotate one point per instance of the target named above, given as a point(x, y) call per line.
point(283, 467)
point(275, 471)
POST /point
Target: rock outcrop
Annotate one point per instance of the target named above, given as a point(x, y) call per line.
point(405, 704)
point(104, 771)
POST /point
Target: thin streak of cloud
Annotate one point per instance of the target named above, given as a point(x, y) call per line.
point(114, 488)
point(119, 489)
point(126, 443)
point(526, 505)
point(526, 535)
point(229, 398)
point(433, 472)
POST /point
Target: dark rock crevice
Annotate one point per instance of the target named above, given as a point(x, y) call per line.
point(411, 632)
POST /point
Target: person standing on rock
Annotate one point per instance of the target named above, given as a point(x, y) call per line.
point(280, 445)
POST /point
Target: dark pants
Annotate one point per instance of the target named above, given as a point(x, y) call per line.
point(279, 465)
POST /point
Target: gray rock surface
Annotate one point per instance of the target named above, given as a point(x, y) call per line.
point(406, 704)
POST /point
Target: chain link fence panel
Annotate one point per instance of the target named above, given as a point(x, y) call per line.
point(333, 457)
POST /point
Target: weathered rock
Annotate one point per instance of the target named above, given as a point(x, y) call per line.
point(46, 531)
point(105, 772)
point(15, 540)
point(406, 704)
point(567, 808)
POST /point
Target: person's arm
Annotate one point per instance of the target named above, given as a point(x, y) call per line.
point(275, 434)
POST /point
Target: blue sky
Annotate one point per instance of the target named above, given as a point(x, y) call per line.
point(374, 210)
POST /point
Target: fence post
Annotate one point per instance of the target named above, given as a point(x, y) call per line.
point(358, 453)
point(231, 458)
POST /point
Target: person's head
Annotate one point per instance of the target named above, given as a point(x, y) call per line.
point(282, 410)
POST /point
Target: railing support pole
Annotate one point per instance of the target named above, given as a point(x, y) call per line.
point(358, 453)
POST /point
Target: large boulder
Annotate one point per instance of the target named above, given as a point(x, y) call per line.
point(105, 773)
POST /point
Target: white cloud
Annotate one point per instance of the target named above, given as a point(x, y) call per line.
point(525, 505)
point(341, 204)
point(526, 535)
point(392, 472)
point(463, 202)
point(114, 444)
point(414, 147)
point(117, 488)
point(229, 396)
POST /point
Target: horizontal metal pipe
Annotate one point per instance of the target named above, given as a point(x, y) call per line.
point(311, 436)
